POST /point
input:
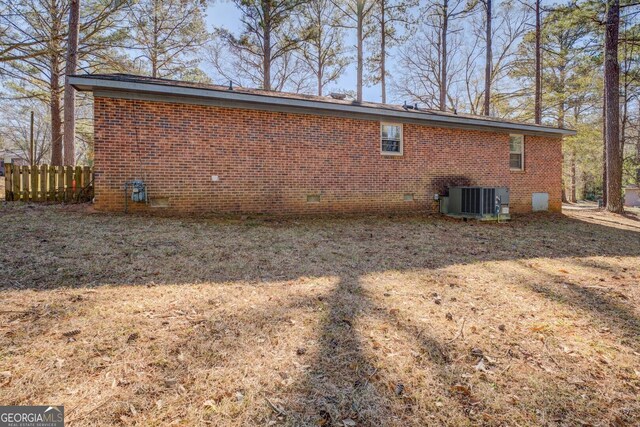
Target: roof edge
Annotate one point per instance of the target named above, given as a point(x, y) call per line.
point(174, 93)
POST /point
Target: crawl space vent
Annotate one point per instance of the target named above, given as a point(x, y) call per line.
point(159, 202)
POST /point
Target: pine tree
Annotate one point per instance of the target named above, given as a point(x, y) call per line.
point(167, 35)
point(323, 49)
point(262, 52)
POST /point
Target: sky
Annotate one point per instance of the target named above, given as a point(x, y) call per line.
point(225, 14)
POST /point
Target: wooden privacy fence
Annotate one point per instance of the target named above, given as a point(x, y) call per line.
point(46, 183)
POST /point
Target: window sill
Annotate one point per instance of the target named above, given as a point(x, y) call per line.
point(517, 171)
point(391, 154)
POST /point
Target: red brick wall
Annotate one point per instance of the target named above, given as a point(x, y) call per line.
point(542, 174)
point(269, 162)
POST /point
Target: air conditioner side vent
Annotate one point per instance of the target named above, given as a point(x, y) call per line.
point(478, 202)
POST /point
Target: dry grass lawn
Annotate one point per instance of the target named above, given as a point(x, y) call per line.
point(380, 321)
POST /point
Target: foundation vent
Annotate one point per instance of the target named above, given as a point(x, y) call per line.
point(159, 202)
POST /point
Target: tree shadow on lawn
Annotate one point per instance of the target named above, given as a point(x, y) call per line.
point(348, 382)
point(602, 303)
point(345, 381)
point(340, 383)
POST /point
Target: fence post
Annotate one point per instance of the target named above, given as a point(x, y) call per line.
point(16, 182)
point(60, 192)
point(52, 184)
point(86, 182)
point(33, 171)
point(25, 183)
point(8, 185)
point(68, 174)
point(43, 183)
point(77, 177)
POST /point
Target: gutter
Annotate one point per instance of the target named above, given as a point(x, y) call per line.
point(114, 88)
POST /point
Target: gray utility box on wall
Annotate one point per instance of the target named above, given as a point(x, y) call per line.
point(476, 202)
point(540, 202)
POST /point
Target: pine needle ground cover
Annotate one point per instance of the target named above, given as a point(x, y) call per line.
point(394, 321)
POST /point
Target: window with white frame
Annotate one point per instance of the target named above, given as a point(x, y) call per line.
point(391, 138)
point(516, 152)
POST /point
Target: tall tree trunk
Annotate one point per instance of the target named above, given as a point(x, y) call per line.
point(318, 46)
point(55, 111)
point(638, 163)
point(320, 85)
point(612, 116)
point(266, 40)
point(638, 157)
point(574, 197)
point(562, 101)
point(69, 91)
point(156, 43)
point(604, 150)
point(266, 60)
point(623, 127)
point(383, 52)
point(572, 174)
point(360, 35)
point(443, 59)
point(488, 60)
point(538, 66)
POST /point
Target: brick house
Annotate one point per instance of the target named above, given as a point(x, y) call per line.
point(205, 148)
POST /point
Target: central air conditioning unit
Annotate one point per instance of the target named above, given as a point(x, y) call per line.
point(476, 202)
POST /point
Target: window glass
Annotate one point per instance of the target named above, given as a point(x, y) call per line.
point(516, 152)
point(391, 138)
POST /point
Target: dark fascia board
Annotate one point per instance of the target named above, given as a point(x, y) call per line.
point(191, 95)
